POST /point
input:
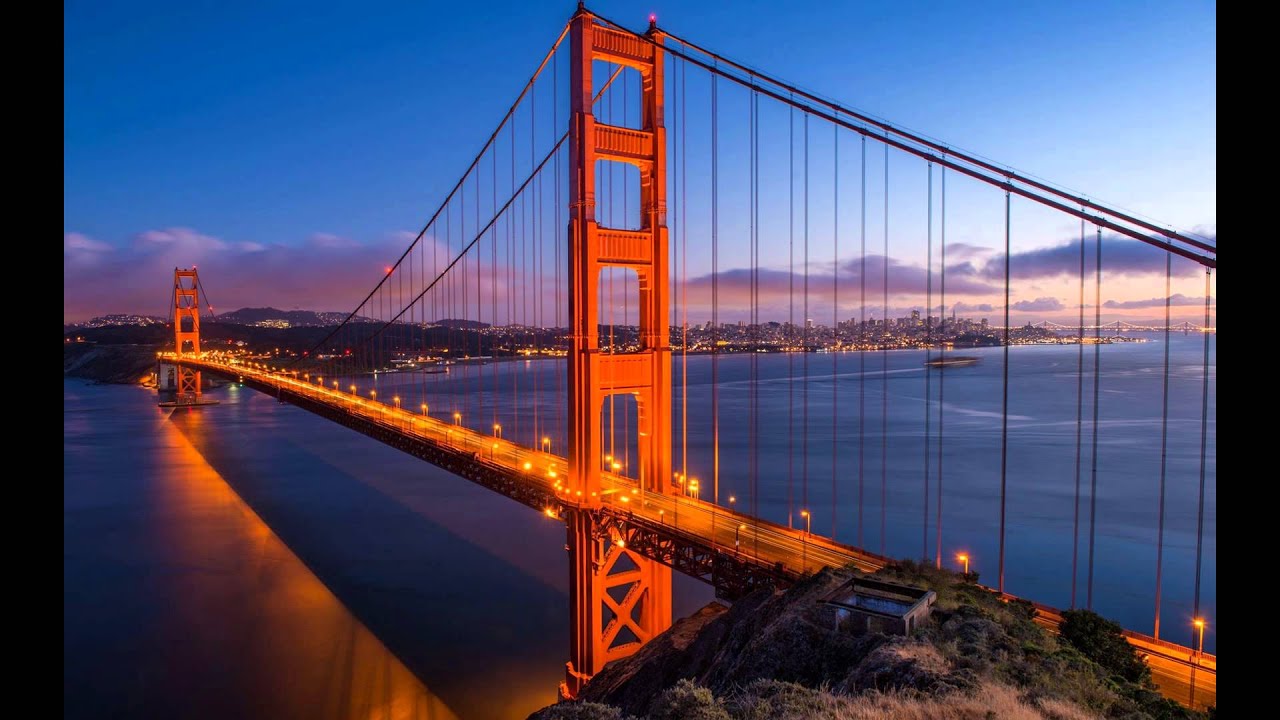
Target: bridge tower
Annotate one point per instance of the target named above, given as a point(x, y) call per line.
point(186, 332)
point(618, 599)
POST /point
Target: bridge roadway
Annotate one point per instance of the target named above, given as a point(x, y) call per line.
point(733, 552)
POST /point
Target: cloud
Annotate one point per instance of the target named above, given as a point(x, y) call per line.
point(76, 243)
point(734, 286)
point(1040, 304)
point(323, 272)
point(965, 251)
point(1176, 300)
point(962, 307)
point(1121, 256)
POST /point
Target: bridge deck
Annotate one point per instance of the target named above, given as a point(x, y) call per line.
point(691, 535)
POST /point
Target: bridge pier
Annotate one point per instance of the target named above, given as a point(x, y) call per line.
point(618, 600)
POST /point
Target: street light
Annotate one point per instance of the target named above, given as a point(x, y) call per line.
point(494, 455)
point(457, 418)
point(497, 430)
point(424, 409)
point(546, 445)
point(732, 500)
point(396, 400)
point(807, 520)
point(964, 558)
point(1199, 623)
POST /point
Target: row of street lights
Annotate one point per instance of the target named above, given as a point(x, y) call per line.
point(689, 486)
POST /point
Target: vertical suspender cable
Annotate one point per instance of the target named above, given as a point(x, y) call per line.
point(755, 319)
point(715, 300)
point(835, 321)
point(1004, 411)
point(928, 355)
point(804, 387)
point(1075, 524)
point(1204, 444)
point(942, 353)
point(791, 324)
point(1097, 373)
point(555, 302)
point(626, 285)
point(753, 452)
point(684, 278)
point(1164, 440)
point(884, 368)
point(862, 342)
point(536, 265)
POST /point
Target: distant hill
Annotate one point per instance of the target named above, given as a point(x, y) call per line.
point(457, 324)
point(271, 317)
point(116, 319)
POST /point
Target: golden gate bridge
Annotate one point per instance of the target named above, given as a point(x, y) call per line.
point(578, 218)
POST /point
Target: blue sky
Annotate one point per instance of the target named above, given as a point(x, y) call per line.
point(332, 129)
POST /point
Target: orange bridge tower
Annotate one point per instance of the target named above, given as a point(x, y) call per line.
point(618, 599)
point(186, 332)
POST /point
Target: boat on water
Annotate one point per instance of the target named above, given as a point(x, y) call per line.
point(952, 361)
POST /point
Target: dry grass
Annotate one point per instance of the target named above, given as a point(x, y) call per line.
point(991, 701)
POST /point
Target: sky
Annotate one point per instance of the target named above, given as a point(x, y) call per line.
point(294, 150)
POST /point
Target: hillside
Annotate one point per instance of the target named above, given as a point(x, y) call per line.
point(777, 655)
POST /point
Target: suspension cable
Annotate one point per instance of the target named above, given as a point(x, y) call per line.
point(1075, 523)
point(804, 387)
point(1164, 440)
point(1204, 439)
point(942, 354)
point(1097, 373)
point(1004, 411)
point(791, 324)
point(884, 369)
point(985, 172)
point(835, 323)
point(488, 143)
point(485, 229)
point(862, 343)
point(928, 357)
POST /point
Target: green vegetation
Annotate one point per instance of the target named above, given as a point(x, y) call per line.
point(1103, 642)
point(978, 657)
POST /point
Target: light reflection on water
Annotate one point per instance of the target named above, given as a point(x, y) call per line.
point(466, 589)
point(181, 602)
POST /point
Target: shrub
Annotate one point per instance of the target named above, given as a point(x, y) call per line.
point(687, 701)
point(1102, 641)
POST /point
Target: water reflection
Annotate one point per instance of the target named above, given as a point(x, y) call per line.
point(181, 602)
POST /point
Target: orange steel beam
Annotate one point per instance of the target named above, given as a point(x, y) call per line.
point(618, 598)
point(186, 305)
